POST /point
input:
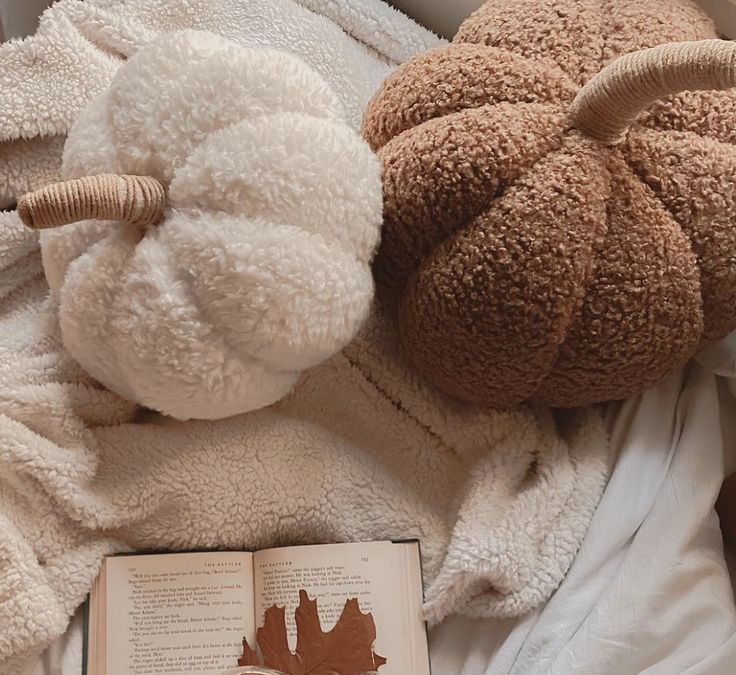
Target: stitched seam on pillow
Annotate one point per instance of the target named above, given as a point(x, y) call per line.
point(232, 352)
point(641, 177)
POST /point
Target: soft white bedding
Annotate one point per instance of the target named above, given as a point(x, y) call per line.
point(649, 591)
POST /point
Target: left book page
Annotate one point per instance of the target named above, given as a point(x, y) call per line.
point(171, 614)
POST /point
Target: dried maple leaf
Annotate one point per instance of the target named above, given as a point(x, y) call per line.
point(249, 657)
point(345, 650)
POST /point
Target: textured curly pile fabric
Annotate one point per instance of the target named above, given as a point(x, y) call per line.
point(361, 450)
point(260, 266)
point(47, 79)
point(525, 260)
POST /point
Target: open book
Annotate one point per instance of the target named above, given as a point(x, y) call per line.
point(187, 613)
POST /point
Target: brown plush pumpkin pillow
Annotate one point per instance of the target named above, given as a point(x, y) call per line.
point(550, 236)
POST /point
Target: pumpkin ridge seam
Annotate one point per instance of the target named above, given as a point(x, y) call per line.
point(595, 256)
point(492, 198)
point(604, 24)
point(231, 351)
point(641, 176)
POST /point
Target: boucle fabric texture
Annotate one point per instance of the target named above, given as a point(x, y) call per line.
point(361, 450)
point(526, 260)
point(260, 265)
point(46, 80)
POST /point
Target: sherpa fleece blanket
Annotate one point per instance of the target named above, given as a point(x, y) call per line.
point(47, 80)
point(360, 450)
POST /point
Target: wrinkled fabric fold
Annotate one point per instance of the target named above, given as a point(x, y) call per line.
point(47, 79)
point(362, 450)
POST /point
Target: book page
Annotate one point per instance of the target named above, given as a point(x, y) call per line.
point(177, 614)
point(374, 572)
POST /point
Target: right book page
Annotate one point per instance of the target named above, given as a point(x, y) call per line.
point(385, 577)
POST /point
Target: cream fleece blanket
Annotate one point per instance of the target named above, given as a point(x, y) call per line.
point(361, 449)
point(47, 80)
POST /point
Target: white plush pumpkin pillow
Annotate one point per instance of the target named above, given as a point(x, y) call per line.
point(261, 265)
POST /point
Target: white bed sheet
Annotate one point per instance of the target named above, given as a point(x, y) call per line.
point(649, 591)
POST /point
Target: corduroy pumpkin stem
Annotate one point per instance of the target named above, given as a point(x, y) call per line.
point(611, 100)
point(138, 200)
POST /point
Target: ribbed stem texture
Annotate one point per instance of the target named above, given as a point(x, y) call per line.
point(611, 100)
point(138, 200)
